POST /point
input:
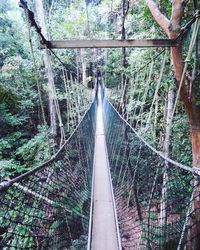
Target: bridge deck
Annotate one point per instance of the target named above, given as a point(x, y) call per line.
point(104, 231)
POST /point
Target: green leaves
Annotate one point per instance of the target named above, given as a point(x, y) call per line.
point(9, 169)
point(7, 97)
point(36, 150)
point(181, 142)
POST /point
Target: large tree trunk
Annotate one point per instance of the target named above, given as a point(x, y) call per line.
point(172, 29)
point(192, 110)
point(193, 113)
point(49, 71)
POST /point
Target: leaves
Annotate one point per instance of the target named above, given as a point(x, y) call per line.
point(36, 150)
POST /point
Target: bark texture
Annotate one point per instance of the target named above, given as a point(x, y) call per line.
point(49, 72)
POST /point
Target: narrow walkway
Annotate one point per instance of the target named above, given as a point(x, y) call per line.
point(104, 232)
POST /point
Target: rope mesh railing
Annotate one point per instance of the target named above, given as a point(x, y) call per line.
point(48, 207)
point(156, 199)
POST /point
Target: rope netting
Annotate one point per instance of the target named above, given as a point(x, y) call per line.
point(156, 198)
point(48, 207)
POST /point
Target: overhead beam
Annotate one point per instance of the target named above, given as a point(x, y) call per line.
point(137, 43)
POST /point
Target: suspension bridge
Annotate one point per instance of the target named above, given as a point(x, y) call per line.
point(106, 188)
point(102, 190)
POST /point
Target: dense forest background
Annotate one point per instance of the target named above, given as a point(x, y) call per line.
point(26, 140)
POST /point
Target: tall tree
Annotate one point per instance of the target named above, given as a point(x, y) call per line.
point(125, 8)
point(84, 67)
point(166, 148)
point(172, 28)
point(49, 72)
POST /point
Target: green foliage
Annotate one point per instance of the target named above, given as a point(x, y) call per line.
point(181, 140)
point(36, 150)
point(9, 144)
point(19, 117)
point(8, 98)
point(80, 243)
point(69, 20)
point(9, 169)
point(23, 139)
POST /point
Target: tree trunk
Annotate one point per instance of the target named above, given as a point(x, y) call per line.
point(169, 106)
point(166, 148)
point(48, 68)
point(106, 63)
point(125, 7)
point(84, 68)
point(193, 113)
point(77, 65)
point(172, 29)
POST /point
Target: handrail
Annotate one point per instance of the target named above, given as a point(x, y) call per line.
point(114, 206)
point(91, 211)
point(193, 170)
point(103, 96)
point(4, 185)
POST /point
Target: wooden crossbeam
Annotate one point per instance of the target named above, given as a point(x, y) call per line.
point(138, 43)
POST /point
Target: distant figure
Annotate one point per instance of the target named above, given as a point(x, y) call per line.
point(98, 76)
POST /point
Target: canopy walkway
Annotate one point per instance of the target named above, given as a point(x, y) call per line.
point(106, 188)
point(102, 190)
point(103, 215)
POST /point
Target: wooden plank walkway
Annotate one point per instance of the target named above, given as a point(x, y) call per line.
point(104, 230)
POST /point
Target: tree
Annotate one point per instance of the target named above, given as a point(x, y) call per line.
point(172, 28)
point(125, 8)
point(49, 71)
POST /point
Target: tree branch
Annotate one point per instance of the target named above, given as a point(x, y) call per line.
point(178, 7)
point(161, 19)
